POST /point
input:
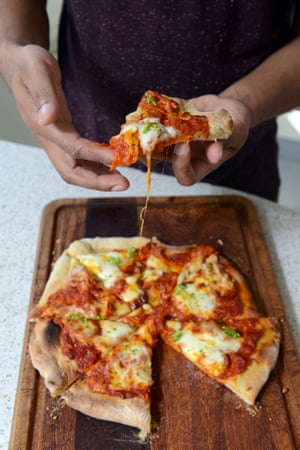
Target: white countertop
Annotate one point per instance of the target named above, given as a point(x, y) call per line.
point(29, 182)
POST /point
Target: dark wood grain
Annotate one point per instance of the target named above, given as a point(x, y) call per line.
point(189, 411)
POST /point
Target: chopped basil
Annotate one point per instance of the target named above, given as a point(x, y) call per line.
point(97, 317)
point(230, 331)
point(177, 335)
point(79, 316)
point(151, 126)
point(114, 260)
point(76, 316)
point(132, 251)
point(180, 289)
point(151, 99)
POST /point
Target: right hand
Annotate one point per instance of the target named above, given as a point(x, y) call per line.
point(34, 79)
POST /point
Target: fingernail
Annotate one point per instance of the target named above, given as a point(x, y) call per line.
point(118, 188)
point(180, 149)
point(44, 112)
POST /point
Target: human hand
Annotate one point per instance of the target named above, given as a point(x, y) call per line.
point(34, 78)
point(192, 162)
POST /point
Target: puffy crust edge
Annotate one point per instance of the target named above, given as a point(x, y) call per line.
point(134, 412)
point(220, 121)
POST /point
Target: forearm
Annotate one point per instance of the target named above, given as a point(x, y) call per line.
point(273, 88)
point(24, 22)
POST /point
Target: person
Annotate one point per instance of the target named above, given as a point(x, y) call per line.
point(234, 54)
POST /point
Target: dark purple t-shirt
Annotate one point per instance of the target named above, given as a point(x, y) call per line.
point(112, 51)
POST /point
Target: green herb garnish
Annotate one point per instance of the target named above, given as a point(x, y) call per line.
point(132, 251)
point(180, 289)
point(177, 335)
point(97, 317)
point(151, 126)
point(78, 316)
point(114, 260)
point(151, 99)
point(230, 331)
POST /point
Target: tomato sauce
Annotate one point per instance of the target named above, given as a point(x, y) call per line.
point(85, 355)
point(251, 332)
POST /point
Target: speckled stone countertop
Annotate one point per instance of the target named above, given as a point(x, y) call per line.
point(29, 182)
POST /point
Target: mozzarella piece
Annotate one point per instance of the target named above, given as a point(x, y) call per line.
point(130, 366)
point(154, 268)
point(151, 131)
point(191, 300)
point(197, 286)
point(113, 331)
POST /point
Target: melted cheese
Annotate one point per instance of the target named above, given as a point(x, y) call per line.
point(113, 332)
point(155, 267)
point(108, 269)
point(130, 366)
point(151, 131)
point(105, 265)
point(198, 285)
point(192, 300)
point(205, 345)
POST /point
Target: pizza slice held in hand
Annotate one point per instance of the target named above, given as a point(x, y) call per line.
point(160, 122)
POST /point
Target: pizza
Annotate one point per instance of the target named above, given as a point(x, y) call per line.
point(160, 122)
point(108, 302)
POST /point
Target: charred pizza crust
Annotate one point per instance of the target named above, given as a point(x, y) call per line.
point(62, 379)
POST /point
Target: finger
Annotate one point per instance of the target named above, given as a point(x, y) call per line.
point(64, 136)
point(181, 163)
point(84, 173)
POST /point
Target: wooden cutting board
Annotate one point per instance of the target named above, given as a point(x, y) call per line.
point(189, 411)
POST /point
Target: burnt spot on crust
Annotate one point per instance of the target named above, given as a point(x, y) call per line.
point(51, 334)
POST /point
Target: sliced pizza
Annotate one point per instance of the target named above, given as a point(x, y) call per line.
point(109, 300)
point(238, 354)
point(161, 121)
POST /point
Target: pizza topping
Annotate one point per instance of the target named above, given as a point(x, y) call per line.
point(230, 331)
point(85, 355)
point(150, 99)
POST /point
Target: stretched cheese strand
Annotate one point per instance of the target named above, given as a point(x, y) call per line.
point(148, 192)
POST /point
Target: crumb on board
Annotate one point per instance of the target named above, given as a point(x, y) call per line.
point(55, 408)
point(253, 410)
